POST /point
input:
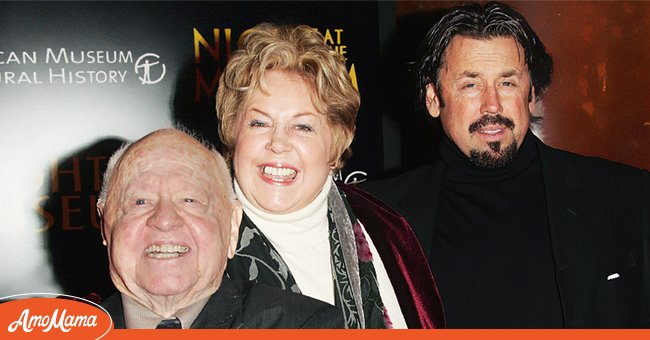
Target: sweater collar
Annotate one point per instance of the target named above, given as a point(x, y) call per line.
point(460, 169)
point(296, 230)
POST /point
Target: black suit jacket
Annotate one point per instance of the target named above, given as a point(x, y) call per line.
point(599, 217)
point(250, 305)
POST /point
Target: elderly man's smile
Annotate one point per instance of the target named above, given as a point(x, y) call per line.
point(166, 251)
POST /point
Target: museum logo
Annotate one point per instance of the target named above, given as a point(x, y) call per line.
point(62, 66)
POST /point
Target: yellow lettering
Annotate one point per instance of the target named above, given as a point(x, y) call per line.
point(328, 37)
point(353, 77)
point(338, 35)
point(199, 41)
point(342, 49)
point(228, 33)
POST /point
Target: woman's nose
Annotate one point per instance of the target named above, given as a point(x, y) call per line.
point(279, 141)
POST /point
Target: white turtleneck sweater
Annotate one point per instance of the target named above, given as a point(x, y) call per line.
point(302, 239)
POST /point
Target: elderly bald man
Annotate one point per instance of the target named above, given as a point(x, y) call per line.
point(170, 222)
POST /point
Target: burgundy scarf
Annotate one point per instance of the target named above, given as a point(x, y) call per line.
point(403, 258)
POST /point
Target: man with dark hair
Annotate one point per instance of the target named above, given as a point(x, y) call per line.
point(518, 234)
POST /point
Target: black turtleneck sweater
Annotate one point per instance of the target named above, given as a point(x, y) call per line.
point(492, 254)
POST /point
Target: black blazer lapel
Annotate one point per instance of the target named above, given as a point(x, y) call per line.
point(223, 309)
point(419, 204)
point(562, 184)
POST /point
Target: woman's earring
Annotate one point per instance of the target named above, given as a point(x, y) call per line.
point(104, 243)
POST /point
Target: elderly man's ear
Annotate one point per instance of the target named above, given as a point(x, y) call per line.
point(432, 101)
point(235, 220)
point(100, 214)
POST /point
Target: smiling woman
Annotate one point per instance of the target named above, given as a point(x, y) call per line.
point(287, 110)
point(283, 153)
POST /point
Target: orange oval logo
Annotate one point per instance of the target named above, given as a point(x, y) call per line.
point(37, 315)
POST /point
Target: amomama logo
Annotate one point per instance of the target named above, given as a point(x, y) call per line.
point(39, 315)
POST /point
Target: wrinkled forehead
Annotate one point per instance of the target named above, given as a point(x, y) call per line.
point(168, 152)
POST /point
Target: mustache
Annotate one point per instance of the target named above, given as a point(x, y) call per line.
point(491, 120)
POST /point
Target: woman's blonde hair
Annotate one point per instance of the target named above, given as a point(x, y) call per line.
point(296, 49)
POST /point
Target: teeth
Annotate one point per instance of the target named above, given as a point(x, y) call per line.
point(491, 132)
point(279, 172)
point(165, 251)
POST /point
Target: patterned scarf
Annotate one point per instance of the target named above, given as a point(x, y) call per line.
point(356, 291)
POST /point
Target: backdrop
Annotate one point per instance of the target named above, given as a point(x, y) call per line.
point(77, 79)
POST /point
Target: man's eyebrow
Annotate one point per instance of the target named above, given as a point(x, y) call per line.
point(474, 74)
point(510, 73)
point(469, 74)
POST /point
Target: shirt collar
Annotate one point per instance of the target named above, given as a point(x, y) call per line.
point(138, 316)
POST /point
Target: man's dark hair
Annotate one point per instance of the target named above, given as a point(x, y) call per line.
point(483, 22)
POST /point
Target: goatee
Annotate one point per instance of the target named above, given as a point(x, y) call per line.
point(494, 158)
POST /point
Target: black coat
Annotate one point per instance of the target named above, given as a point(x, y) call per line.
point(599, 217)
point(251, 305)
